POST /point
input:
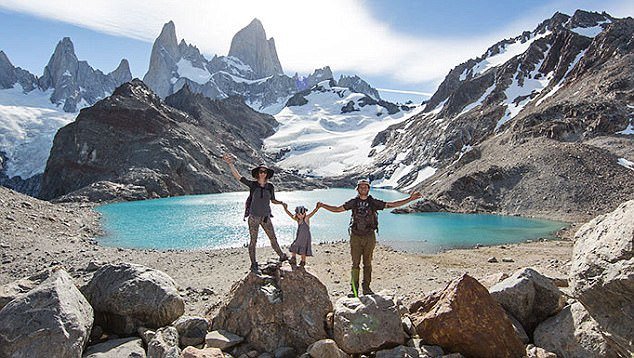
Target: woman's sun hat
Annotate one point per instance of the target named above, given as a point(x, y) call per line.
point(256, 170)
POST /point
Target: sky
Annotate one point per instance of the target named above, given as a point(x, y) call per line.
point(406, 46)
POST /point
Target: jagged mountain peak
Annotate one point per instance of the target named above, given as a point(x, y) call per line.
point(251, 46)
point(4, 59)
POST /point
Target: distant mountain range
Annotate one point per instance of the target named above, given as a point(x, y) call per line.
point(539, 124)
point(33, 108)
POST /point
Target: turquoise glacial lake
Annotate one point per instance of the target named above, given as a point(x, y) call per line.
point(215, 221)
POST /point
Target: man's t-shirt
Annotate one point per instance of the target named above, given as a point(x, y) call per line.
point(370, 202)
point(262, 196)
point(364, 220)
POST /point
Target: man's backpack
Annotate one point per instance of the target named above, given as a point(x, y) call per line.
point(364, 219)
point(247, 204)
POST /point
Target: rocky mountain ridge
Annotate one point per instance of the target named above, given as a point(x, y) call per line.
point(252, 69)
point(567, 84)
point(133, 145)
point(32, 108)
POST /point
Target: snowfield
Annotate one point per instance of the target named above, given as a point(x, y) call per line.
point(28, 123)
point(322, 141)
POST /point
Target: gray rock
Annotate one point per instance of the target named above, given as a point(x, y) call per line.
point(146, 334)
point(279, 307)
point(128, 296)
point(117, 348)
point(602, 274)
point(285, 352)
point(529, 297)
point(572, 333)
point(367, 323)
point(222, 339)
point(164, 344)
point(51, 320)
point(11, 76)
point(398, 352)
point(325, 348)
point(13, 289)
point(191, 330)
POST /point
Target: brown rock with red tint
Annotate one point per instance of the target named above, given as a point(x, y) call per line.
point(466, 319)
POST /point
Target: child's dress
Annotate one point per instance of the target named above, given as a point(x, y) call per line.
point(302, 243)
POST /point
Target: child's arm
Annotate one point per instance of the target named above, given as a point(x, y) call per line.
point(288, 212)
point(309, 215)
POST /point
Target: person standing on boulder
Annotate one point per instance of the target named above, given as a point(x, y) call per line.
point(262, 193)
point(363, 225)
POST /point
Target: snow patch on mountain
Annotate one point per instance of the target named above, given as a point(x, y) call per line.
point(318, 139)
point(591, 32)
point(507, 52)
point(518, 95)
point(188, 70)
point(28, 123)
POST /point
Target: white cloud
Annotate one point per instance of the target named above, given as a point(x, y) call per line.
point(339, 33)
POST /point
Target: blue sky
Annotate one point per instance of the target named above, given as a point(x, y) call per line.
point(404, 45)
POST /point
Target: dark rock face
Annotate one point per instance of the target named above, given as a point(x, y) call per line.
point(73, 80)
point(29, 186)
point(559, 87)
point(10, 75)
point(139, 147)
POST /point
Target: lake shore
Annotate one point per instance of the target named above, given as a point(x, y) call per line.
point(38, 234)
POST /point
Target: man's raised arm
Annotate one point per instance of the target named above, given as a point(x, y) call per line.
point(393, 204)
point(334, 209)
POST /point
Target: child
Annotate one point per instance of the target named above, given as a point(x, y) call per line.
point(302, 243)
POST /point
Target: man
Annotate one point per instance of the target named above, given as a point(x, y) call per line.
point(363, 224)
point(258, 207)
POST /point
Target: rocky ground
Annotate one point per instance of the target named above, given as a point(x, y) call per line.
point(37, 234)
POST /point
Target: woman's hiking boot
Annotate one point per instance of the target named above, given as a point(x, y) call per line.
point(254, 267)
point(302, 263)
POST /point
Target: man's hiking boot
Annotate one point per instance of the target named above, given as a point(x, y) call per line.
point(367, 291)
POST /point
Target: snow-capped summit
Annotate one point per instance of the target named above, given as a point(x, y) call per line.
point(253, 49)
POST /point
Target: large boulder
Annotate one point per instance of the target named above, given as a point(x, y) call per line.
point(129, 296)
point(466, 319)
point(131, 347)
point(602, 274)
point(280, 307)
point(51, 320)
point(529, 296)
point(368, 323)
point(572, 334)
point(325, 348)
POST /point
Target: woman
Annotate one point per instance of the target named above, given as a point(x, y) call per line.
point(262, 194)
